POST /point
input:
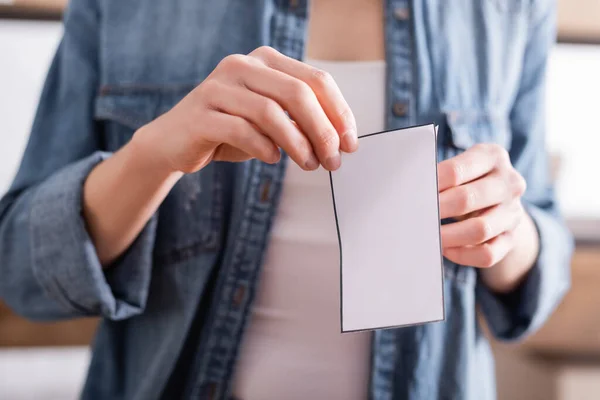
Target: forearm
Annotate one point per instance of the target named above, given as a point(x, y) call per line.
point(121, 194)
point(506, 275)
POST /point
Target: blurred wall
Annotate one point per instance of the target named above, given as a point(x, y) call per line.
point(573, 133)
point(26, 49)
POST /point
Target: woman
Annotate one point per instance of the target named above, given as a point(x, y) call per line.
point(120, 208)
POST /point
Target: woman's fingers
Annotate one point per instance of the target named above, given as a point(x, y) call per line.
point(483, 255)
point(326, 90)
point(480, 194)
point(295, 96)
point(241, 140)
point(480, 229)
point(298, 99)
point(310, 97)
point(476, 162)
point(272, 121)
point(226, 152)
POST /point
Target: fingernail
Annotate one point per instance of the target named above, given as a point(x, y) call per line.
point(350, 140)
point(312, 163)
point(333, 162)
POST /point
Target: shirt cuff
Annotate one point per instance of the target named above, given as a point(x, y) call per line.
point(518, 314)
point(64, 259)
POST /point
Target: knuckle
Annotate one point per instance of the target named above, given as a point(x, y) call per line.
point(303, 148)
point(519, 183)
point(265, 52)
point(483, 229)
point(466, 199)
point(299, 91)
point(269, 111)
point(327, 138)
point(501, 153)
point(321, 78)
point(300, 147)
point(206, 95)
point(234, 61)
point(509, 237)
point(347, 117)
point(486, 256)
point(209, 86)
point(271, 154)
point(457, 172)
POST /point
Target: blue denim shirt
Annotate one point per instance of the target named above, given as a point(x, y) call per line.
point(175, 305)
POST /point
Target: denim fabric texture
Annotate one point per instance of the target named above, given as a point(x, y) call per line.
point(175, 305)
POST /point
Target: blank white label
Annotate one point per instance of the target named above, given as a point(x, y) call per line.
point(386, 206)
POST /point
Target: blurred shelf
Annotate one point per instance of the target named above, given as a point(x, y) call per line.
point(521, 376)
point(17, 331)
point(578, 21)
point(32, 9)
point(13, 12)
point(586, 231)
point(573, 331)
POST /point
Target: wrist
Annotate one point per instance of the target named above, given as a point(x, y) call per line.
point(146, 154)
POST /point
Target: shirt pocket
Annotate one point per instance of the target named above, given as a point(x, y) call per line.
point(464, 129)
point(510, 6)
point(190, 218)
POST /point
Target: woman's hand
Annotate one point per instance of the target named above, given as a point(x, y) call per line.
point(239, 112)
point(482, 191)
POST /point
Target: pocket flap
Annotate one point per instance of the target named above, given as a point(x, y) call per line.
point(132, 111)
point(468, 129)
point(135, 107)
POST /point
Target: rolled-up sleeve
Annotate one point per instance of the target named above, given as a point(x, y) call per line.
point(515, 315)
point(48, 265)
point(63, 257)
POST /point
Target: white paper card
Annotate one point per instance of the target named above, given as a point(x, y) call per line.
point(386, 207)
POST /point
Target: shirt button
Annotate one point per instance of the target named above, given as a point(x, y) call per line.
point(211, 391)
point(239, 295)
point(294, 3)
point(265, 191)
point(401, 14)
point(400, 109)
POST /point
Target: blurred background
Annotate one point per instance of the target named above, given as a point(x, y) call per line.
point(561, 362)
